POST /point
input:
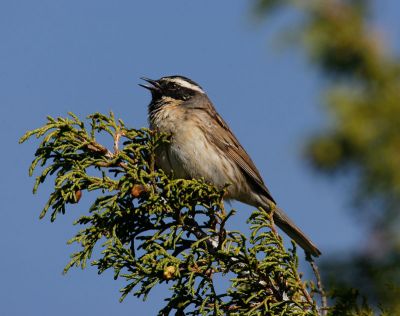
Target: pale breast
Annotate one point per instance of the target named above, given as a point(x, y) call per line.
point(189, 154)
point(192, 152)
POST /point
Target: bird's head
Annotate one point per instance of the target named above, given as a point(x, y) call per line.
point(173, 88)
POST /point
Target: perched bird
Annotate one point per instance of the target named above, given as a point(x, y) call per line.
point(203, 146)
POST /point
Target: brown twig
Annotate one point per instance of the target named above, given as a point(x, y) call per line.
point(117, 137)
point(98, 148)
point(320, 287)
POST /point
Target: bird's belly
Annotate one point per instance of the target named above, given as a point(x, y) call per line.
point(191, 155)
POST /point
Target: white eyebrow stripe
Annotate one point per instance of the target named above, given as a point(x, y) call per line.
point(185, 84)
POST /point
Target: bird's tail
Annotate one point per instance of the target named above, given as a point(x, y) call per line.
point(285, 223)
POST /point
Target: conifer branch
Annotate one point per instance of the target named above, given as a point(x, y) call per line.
point(153, 229)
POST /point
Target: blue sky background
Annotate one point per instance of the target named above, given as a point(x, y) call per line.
point(87, 56)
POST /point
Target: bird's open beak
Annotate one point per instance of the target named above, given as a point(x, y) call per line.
point(153, 87)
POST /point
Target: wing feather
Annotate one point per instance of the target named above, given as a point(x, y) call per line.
point(221, 136)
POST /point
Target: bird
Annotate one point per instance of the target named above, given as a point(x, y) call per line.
point(203, 146)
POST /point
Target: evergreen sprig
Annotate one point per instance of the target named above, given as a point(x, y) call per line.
point(154, 229)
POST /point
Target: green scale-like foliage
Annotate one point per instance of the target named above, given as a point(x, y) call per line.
point(154, 229)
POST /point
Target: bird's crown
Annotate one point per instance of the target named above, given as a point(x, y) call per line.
point(181, 82)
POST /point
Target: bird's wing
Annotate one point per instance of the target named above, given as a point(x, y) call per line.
point(221, 136)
